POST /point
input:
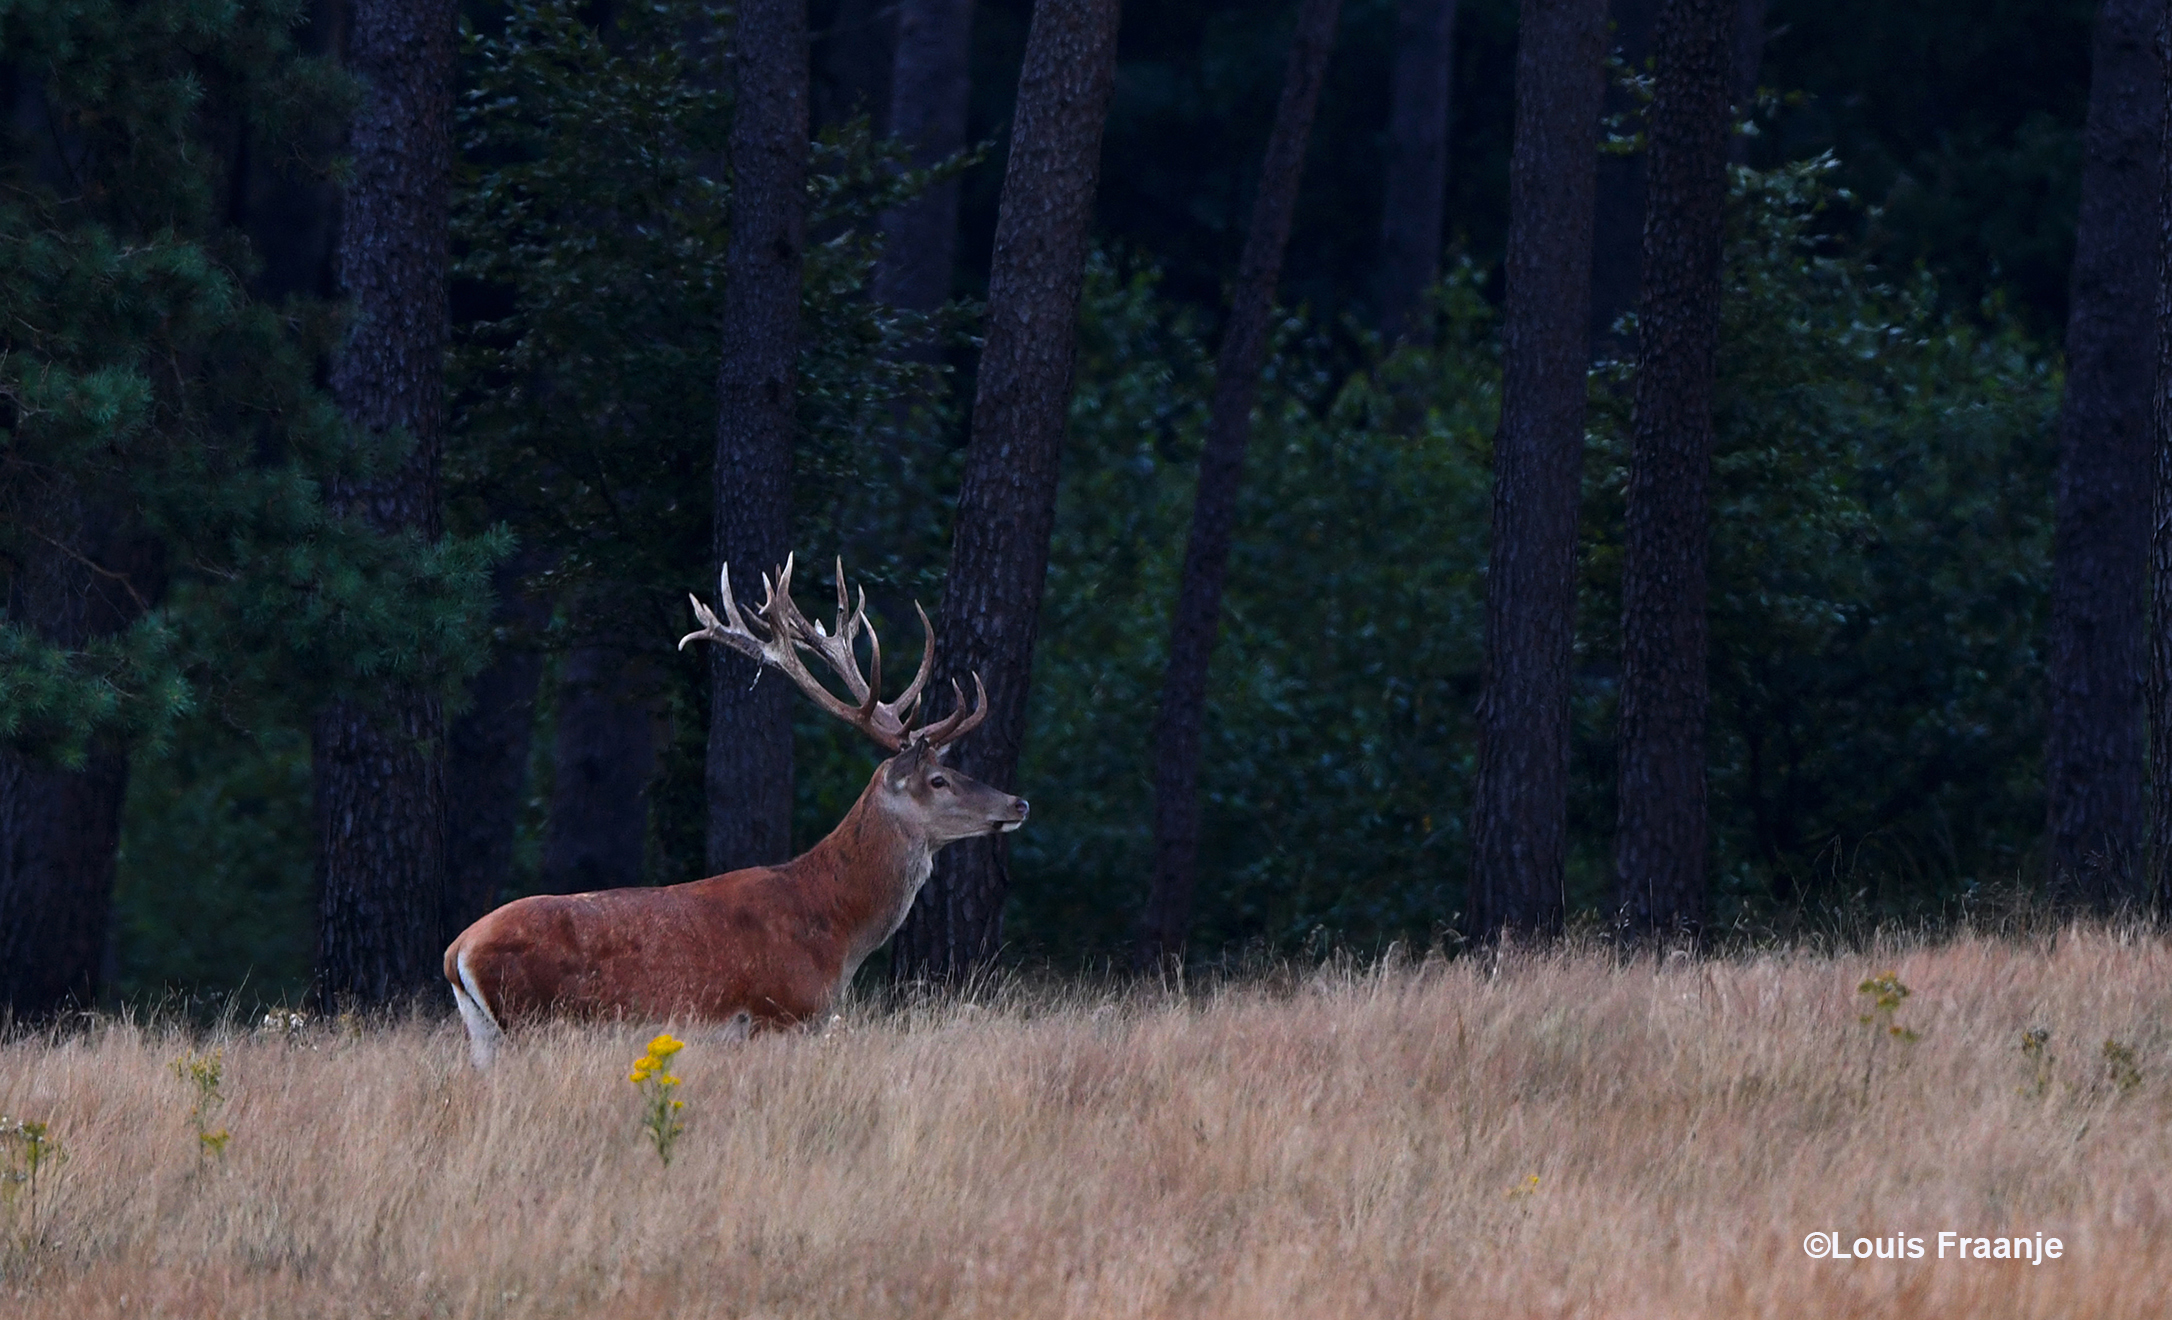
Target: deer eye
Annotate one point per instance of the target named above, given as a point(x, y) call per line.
point(937, 781)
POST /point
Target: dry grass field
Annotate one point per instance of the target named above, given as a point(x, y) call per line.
point(1535, 1135)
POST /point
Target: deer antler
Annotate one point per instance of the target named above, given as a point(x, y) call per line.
point(785, 632)
point(959, 722)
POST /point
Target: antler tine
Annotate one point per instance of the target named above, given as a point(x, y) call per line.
point(732, 631)
point(850, 620)
point(784, 615)
point(724, 593)
point(777, 607)
point(710, 629)
point(836, 649)
point(781, 587)
point(873, 700)
point(958, 723)
point(857, 620)
point(980, 710)
point(911, 695)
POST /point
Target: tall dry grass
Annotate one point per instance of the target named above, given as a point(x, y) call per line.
point(1348, 1143)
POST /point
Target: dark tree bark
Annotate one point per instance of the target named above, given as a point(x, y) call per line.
point(2160, 539)
point(290, 214)
point(1168, 916)
point(605, 755)
point(59, 833)
point(1617, 244)
point(1007, 498)
point(1659, 843)
point(380, 798)
point(60, 829)
point(488, 755)
point(2094, 769)
point(380, 813)
point(850, 64)
point(1520, 812)
point(1417, 193)
point(1749, 61)
point(292, 225)
point(929, 87)
point(749, 777)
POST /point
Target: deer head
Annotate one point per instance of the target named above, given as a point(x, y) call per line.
point(936, 802)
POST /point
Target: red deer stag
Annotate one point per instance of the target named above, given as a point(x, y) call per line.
point(768, 946)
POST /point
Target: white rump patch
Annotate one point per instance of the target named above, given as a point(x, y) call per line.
point(484, 1033)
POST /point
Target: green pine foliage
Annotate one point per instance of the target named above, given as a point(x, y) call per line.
point(1339, 707)
point(213, 891)
point(154, 411)
point(593, 223)
point(593, 220)
point(1880, 554)
point(1878, 680)
point(590, 225)
point(163, 435)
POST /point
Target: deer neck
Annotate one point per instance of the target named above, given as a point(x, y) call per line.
point(866, 873)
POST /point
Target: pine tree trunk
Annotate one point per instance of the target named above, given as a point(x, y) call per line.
point(605, 755)
point(60, 829)
point(380, 812)
point(380, 764)
point(1520, 813)
point(59, 833)
point(1659, 844)
point(1417, 192)
point(929, 88)
point(850, 63)
point(1168, 916)
point(2160, 541)
point(749, 777)
point(488, 754)
point(1617, 242)
point(1749, 61)
point(2094, 770)
point(291, 214)
point(1007, 497)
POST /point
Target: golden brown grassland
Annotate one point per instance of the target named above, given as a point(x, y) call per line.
point(1529, 1135)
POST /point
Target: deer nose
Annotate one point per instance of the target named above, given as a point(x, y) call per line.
point(1021, 806)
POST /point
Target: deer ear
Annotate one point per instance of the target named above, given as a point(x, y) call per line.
point(907, 763)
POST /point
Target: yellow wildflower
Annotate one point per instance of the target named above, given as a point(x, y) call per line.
point(651, 1072)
